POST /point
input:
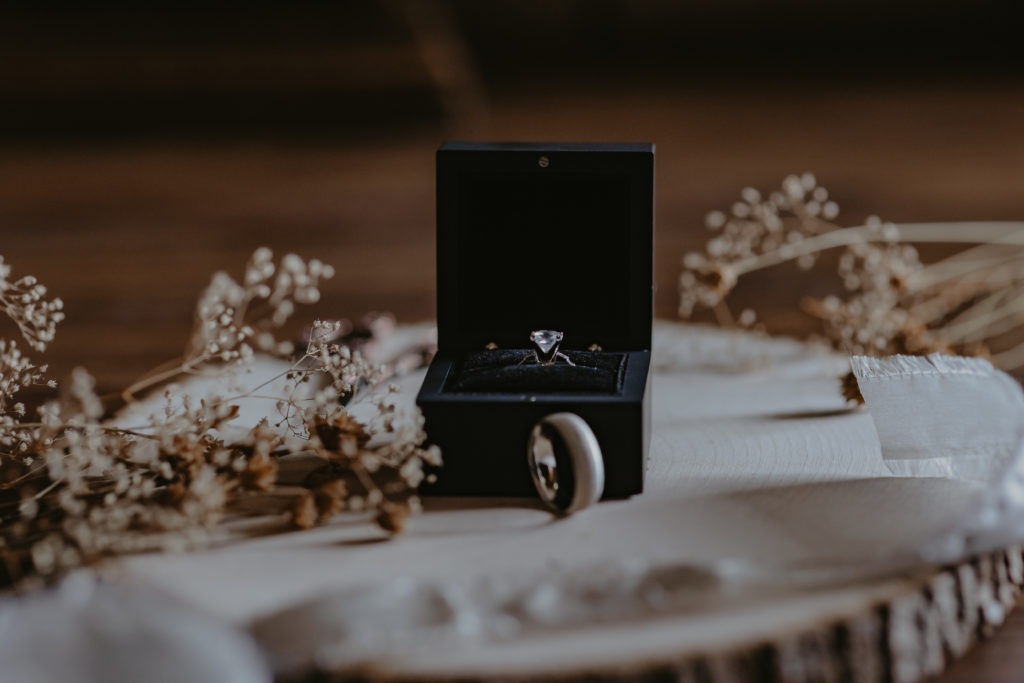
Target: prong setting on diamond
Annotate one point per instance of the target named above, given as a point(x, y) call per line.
point(545, 343)
point(545, 348)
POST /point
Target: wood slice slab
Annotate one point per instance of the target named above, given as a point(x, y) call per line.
point(762, 483)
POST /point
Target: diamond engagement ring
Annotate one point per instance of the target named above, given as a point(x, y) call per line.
point(545, 348)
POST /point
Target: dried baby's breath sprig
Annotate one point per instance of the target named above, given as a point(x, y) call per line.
point(232, 319)
point(893, 303)
point(74, 489)
point(16, 373)
point(24, 301)
point(359, 475)
point(335, 368)
point(265, 299)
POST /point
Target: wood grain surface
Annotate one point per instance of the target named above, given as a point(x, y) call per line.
point(128, 235)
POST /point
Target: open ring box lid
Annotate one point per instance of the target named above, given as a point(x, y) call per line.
point(540, 236)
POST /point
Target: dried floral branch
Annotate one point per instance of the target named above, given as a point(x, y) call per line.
point(24, 302)
point(232, 318)
point(893, 303)
point(74, 489)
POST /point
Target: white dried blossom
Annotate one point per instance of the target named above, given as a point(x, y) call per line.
point(24, 301)
point(892, 303)
point(224, 329)
point(17, 372)
point(86, 490)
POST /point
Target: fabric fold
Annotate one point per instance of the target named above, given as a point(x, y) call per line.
point(954, 417)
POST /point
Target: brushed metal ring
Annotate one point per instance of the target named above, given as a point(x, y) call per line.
point(565, 463)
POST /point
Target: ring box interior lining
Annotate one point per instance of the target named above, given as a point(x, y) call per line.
point(504, 370)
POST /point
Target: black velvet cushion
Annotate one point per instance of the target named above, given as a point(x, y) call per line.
point(501, 371)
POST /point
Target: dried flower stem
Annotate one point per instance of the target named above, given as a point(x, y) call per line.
point(1011, 358)
point(895, 304)
point(995, 314)
point(1002, 233)
point(156, 376)
point(73, 489)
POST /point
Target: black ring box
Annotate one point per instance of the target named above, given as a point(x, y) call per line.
point(529, 237)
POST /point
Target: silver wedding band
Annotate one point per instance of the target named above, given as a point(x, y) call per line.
point(568, 435)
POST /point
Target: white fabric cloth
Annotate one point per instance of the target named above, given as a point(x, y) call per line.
point(91, 632)
point(959, 419)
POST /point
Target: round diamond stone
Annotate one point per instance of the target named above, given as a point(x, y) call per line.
point(547, 342)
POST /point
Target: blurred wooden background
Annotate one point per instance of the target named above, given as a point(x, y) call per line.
point(143, 149)
point(129, 234)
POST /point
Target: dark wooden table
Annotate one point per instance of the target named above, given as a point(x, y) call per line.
point(128, 235)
